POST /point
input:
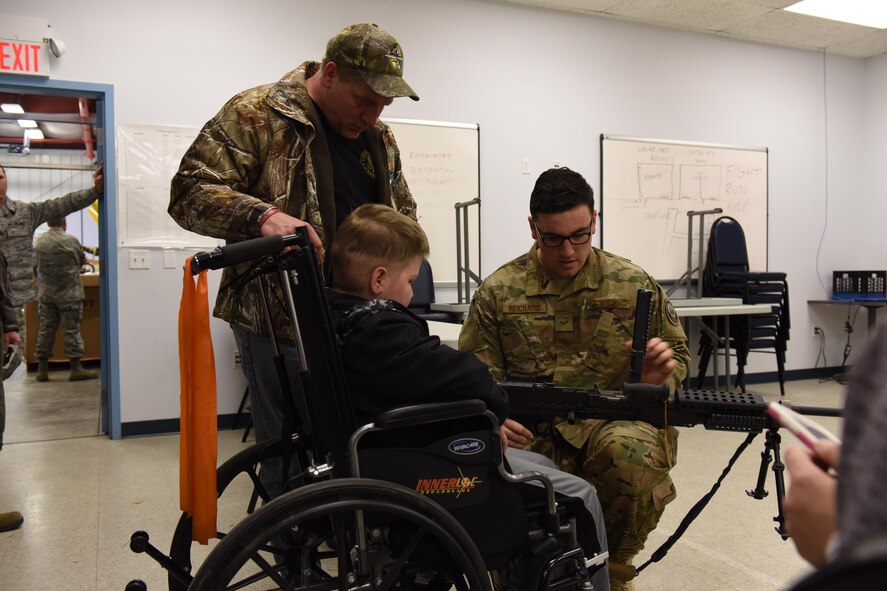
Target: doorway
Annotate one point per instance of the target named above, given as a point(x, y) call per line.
point(52, 167)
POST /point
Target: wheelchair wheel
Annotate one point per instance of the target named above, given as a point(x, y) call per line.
point(346, 534)
point(245, 462)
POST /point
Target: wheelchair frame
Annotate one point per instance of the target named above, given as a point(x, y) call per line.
point(333, 529)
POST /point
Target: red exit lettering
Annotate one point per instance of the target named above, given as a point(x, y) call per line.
point(19, 57)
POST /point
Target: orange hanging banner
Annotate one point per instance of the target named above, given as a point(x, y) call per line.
point(198, 448)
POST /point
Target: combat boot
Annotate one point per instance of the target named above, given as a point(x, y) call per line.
point(42, 370)
point(78, 373)
point(10, 521)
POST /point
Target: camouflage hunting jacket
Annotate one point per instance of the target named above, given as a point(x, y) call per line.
point(522, 324)
point(58, 256)
point(266, 148)
point(18, 220)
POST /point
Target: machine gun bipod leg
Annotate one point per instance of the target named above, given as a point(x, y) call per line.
point(768, 455)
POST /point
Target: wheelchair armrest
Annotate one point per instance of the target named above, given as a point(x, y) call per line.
point(416, 414)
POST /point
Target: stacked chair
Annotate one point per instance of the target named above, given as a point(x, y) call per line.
point(423, 297)
point(727, 274)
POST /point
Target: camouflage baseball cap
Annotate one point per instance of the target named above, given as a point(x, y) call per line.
point(375, 54)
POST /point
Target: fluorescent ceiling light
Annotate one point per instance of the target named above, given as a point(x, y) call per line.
point(868, 13)
point(34, 134)
point(27, 123)
point(12, 108)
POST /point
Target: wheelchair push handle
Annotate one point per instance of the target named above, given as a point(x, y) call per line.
point(248, 250)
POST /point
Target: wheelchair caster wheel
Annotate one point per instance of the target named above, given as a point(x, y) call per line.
point(138, 543)
point(136, 585)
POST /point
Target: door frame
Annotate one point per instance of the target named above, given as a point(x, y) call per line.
point(106, 152)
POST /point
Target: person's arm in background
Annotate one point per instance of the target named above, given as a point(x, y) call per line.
point(811, 501)
point(78, 253)
point(43, 211)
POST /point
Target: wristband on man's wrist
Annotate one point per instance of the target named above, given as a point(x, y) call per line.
point(268, 213)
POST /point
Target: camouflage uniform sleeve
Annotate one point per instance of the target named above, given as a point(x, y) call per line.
point(208, 194)
point(43, 211)
point(669, 329)
point(480, 333)
point(400, 191)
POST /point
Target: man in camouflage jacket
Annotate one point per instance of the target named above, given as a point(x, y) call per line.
point(285, 155)
point(563, 312)
point(59, 256)
point(18, 221)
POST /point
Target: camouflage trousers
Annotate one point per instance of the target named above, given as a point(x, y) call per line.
point(19, 356)
point(69, 316)
point(628, 462)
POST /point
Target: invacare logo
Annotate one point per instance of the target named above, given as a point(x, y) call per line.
point(467, 446)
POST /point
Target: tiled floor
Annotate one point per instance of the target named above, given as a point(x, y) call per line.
point(56, 409)
point(83, 497)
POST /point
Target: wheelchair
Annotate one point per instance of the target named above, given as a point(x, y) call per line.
point(420, 499)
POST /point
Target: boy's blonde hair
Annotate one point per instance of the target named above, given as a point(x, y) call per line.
point(374, 236)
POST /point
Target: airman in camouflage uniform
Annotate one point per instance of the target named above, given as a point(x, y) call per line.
point(18, 221)
point(563, 312)
point(277, 157)
point(59, 257)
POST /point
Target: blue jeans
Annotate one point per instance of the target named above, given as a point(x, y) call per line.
point(266, 396)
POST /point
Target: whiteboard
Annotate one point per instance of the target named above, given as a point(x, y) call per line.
point(441, 163)
point(648, 186)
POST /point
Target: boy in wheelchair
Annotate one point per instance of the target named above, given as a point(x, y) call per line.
point(390, 360)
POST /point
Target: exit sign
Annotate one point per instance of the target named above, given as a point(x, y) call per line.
point(26, 58)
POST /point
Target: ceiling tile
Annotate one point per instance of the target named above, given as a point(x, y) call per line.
point(768, 3)
point(797, 30)
point(874, 43)
point(750, 20)
point(704, 15)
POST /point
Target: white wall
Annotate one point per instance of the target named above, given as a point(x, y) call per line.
point(542, 85)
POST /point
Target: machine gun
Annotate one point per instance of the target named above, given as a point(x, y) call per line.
point(718, 411)
point(533, 401)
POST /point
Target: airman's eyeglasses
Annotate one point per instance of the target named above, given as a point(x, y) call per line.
point(554, 240)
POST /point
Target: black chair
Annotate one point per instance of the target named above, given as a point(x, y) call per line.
point(423, 297)
point(727, 274)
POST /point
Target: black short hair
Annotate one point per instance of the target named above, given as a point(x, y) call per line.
point(558, 190)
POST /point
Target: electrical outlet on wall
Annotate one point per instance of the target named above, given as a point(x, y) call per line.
point(815, 331)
